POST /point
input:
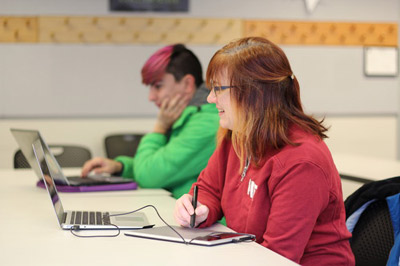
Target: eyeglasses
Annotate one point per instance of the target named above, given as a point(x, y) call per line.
point(218, 89)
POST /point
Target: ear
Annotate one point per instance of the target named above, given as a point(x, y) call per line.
point(189, 83)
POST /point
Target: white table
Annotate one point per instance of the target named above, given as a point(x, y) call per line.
point(370, 168)
point(357, 170)
point(30, 235)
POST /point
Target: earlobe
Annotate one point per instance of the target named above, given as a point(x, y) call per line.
point(189, 82)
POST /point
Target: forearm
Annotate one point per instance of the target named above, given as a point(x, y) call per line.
point(146, 149)
point(169, 162)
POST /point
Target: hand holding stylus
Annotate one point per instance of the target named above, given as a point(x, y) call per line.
point(184, 210)
point(194, 204)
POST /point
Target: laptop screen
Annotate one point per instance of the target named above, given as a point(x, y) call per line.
point(42, 165)
point(25, 139)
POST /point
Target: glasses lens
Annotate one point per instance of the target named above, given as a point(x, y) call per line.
point(217, 90)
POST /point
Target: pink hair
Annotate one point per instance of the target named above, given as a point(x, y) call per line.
point(155, 66)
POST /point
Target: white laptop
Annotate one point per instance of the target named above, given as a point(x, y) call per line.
point(83, 219)
point(26, 137)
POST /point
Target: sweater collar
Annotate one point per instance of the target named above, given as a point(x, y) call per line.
point(200, 96)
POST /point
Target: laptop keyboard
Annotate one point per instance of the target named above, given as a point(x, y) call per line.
point(93, 218)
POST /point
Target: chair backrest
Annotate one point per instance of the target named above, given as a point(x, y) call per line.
point(20, 160)
point(122, 144)
point(66, 156)
point(373, 235)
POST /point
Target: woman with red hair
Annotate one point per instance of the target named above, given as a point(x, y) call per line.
point(272, 174)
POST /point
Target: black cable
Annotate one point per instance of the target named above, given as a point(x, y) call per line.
point(159, 216)
point(119, 230)
point(76, 228)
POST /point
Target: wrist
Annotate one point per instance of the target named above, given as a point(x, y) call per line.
point(119, 168)
point(160, 128)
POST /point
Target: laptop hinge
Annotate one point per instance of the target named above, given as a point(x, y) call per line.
point(64, 218)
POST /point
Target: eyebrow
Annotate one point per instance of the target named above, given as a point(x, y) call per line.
point(155, 82)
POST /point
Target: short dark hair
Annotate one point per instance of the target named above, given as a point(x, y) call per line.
point(183, 62)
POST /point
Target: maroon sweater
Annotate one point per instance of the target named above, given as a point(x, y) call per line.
point(293, 202)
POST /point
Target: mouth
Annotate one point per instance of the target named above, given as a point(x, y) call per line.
point(220, 111)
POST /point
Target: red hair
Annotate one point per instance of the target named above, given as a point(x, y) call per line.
point(265, 96)
point(155, 66)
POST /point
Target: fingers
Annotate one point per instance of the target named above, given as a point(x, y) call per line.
point(170, 110)
point(164, 104)
point(100, 170)
point(201, 214)
point(90, 165)
point(176, 103)
point(172, 103)
point(184, 209)
point(100, 165)
point(181, 212)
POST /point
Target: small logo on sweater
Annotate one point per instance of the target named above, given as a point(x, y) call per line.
point(251, 189)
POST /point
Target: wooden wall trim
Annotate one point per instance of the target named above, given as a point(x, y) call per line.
point(147, 30)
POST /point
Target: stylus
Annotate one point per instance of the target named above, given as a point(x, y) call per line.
point(194, 203)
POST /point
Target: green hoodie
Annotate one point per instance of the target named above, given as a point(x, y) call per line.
point(174, 162)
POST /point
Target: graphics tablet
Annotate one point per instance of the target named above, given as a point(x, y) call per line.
point(195, 236)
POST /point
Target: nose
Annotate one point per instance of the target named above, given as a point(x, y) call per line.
point(211, 97)
point(152, 94)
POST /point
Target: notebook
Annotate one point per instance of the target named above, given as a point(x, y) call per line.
point(83, 219)
point(195, 236)
point(25, 138)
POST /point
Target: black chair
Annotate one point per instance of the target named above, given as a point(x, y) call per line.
point(66, 156)
point(373, 235)
point(122, 144)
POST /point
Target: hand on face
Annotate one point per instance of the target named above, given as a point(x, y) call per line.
point(184, 208)
point(170, 110)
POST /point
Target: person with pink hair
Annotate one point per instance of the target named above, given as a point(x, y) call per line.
point(184, 135)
